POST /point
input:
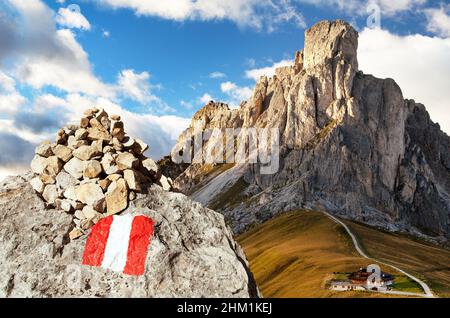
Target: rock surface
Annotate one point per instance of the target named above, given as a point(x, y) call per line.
point(192, 253)
point(350, 144)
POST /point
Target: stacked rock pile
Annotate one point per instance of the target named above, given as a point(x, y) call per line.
point(93, 170)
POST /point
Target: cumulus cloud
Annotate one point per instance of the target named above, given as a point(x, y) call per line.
point(40, 56)
point(10, 98)
point(439, 21)
point(72, 18)
point(387, 7)
point(15, 150)
point(268, 71)
point(419, 64)
point(236, 93)
point(217, 75)
point(205, 98)
point(257, 14)
point(135, 86)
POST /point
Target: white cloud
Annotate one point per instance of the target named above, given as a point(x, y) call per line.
point(45, 56)
point(205, 98)
point(217, 75)
point(419, 64)
point(257, 14)
point(187, 105)
point(72, 19)
point(39, 55)
point(439, 21)
point(10, 98)
point(106, 34)
point(135, 86)
point(236, 93)
point(351, 7)
point(393, 6)
point(268, 71)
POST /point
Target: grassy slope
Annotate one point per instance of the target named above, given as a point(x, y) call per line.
point(295, 254)
point(430, 263)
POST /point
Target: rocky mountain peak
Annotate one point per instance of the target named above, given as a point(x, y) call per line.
point(328, 40)
point(350, 144)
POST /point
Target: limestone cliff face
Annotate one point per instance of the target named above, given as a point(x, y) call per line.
point(350, 144)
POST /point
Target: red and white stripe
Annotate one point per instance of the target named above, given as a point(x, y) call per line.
point(119, 243)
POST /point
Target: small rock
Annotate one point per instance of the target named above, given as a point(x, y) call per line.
point(139, 147)
point(53, 166)
point(117, 197)
point(81, 134)
point(38, 164)
point(112, 170)
point(115, 117)
point(92, 169)
point(104, 184)
point(84, 122)
point(100, 206)
point(126, 161)
point(75, 233)
point(108, 149)
point(128, 142)
point(103, 118)
point(114, 177)
point(150, 166)
point(73, 143)
point(64, 180)
point(99, 133)
point(86, 224)
point(46, 179)
point(70, 194)
point(89, 112)
point(117, 145)
point(86, 153)
point(37, 185)
point(62, 152)
point(44, 150)
point(66, 205)
point(98, 146)
point(165, 183)
point(131, 177)
point(79, 214)
point(76, 205)
point(50, 193)
point(90, 214)
point(117, 131)
point(70, 130)
point(61, 137)
point(89, 193)
point(132, 196)
point(75, 168)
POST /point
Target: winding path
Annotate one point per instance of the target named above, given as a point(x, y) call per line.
point(427, 291)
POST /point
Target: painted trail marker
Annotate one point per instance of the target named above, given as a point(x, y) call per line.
point(119, 243)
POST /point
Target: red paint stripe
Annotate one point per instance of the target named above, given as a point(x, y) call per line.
point(96, 242)
point(140, 236)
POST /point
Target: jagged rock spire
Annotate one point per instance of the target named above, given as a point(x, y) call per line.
point(330, 39)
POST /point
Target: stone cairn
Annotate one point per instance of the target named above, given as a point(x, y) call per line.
point(93, 170)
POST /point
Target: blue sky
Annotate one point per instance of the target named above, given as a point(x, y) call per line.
point(157, 62)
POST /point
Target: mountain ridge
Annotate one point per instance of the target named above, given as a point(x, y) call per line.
point(350, 144)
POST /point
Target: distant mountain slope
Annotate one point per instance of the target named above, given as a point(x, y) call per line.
point(295, 255)
point(350, 144)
